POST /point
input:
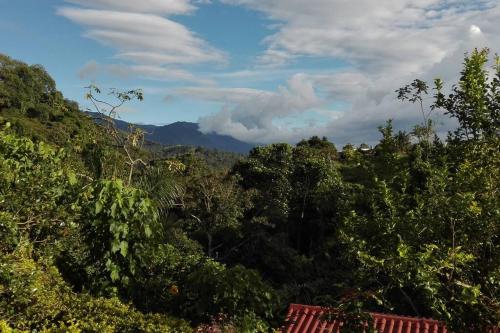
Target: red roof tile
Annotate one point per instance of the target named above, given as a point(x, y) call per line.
point(312, 319)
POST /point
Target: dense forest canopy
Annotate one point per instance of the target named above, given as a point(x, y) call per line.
point(101, 232)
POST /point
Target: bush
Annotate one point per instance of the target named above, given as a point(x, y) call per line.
point(238, 292)
point(33, 173)
point(33, 296)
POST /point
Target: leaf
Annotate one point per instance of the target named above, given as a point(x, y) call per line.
point(123, 248)
point(147, 231)
point(113, 210)
point(115, 246)
point(72, 178)
point(403, 250)
point(115, 274)
point(98, 207)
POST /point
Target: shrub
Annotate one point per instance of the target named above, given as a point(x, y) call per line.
point(33, 296)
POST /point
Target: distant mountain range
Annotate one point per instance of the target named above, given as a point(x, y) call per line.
point(188, 134)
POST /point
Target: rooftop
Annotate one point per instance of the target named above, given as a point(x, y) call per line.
point(314, 319)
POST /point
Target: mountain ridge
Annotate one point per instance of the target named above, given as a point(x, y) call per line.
point(188, 134)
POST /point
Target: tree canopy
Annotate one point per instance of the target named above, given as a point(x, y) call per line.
point(98, 232)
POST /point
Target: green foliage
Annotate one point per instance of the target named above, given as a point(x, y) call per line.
point(168, 267)
point(215, 159)
point(350, 154)
point(116, 222)
point(129, 142)
point(326, 148)
point(183, 281)
point(28, 89)
point(30, 296)
point(428, 241)
point(9, 233)
point(33, 297)
point(267, 170)
point(214, 289)
point(33, 173)
point(313, 178)
point(410, 226)
point(433, 258)
point(212, 202)
point(474, 100)
point(30, 101)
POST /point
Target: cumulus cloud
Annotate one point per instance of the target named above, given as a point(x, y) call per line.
point(166, 74)
point(386, 34)
point(274, 58)
point(385, 43)
point(249, 114)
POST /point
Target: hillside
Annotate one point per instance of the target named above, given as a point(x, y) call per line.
point(103, 232)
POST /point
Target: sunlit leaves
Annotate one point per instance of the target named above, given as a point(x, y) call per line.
point(36, 187)
point(474, 100)
point(117, 222)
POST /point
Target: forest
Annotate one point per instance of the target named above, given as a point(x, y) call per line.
point(101, 231)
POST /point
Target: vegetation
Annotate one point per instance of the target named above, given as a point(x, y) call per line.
point(99, 234)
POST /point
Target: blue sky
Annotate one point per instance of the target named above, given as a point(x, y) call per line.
point(259, 70)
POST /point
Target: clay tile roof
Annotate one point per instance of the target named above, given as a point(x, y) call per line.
point(312, 319)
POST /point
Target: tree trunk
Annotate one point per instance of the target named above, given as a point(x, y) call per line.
point(209, 246)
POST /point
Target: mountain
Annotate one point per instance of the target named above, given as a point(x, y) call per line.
point(188, 134)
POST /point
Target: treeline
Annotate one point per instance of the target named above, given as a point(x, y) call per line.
point(98, 233)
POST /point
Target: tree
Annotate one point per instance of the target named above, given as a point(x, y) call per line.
point(116, 223)
point(350, 154)
point(212, 202)
point(130, 142)
point(474, 101)
point(415, 92)
point(36, 190)
point(29, 90)
point(328, 148)
point(427, 245)
point(214, 289)
point(267, 170)
point(313, 177)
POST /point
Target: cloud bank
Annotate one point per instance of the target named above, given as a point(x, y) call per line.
point(382, 45)
point(385, 43)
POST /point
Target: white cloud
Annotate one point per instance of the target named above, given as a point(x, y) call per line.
point(148, 45)
point(248, 114)
point(274, 58)
point(392, 35)
point(142, 6)
point(474, 29)
point(92, 70)
point(144, 38)
point(166, 74)
point(386, 44)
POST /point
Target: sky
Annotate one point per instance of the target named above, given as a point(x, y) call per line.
point(261, 71)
